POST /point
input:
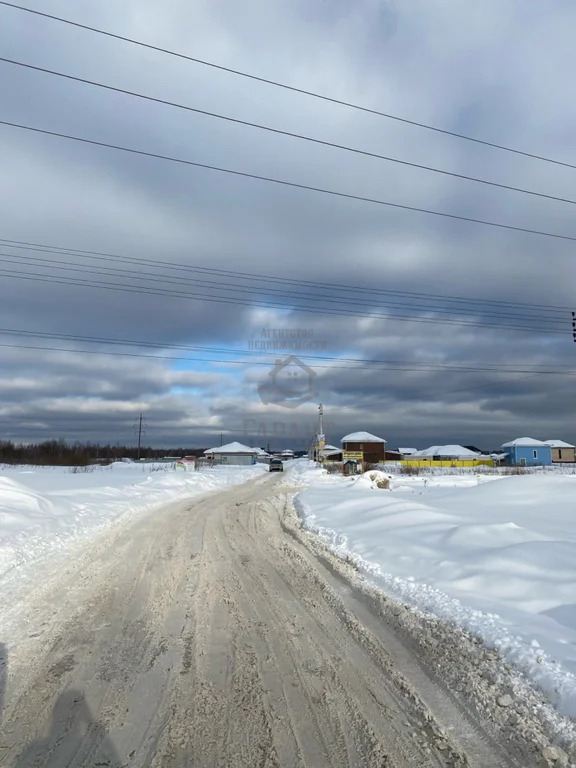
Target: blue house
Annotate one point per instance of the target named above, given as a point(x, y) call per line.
point(526, 452)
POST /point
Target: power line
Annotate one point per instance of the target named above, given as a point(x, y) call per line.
point(294, 89)
point(405, 368)
point(404, 364)
point(230, 287)
point(299, 136)
point(252, 277)
point(342, 302)
point(162, 357)
point(284, 183)
point(99, 284)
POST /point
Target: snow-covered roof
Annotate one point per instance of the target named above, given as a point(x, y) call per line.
point(558, 444)
point(361, 437)
point(524, 442)
point(333, 448)
point(407, 451)
point(233, 448)
point(446, 450)
point(260, 452)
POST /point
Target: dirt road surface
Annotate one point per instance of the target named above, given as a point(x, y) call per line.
point(217, 633)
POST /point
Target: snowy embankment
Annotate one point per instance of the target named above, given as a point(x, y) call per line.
point(45, 509)
point(497, 556)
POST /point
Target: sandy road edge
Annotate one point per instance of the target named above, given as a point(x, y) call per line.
point(474, 675)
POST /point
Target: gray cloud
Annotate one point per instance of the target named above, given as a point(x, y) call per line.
point(495, 72)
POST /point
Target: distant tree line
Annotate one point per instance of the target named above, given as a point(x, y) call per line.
point(59, 452)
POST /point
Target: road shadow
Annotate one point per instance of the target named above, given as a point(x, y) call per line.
point(75, 740)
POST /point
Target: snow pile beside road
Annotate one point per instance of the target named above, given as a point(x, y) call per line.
point(43, 508)
point(497, 556)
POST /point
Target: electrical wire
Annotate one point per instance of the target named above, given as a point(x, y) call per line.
point(248, 363)
point(156, 278)
point(253, 277)
point(284, 86)
point(402, 364)
point(292, 184)
point(299, 136)
point(144, 290)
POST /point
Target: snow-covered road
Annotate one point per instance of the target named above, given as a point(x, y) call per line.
point(217, 632)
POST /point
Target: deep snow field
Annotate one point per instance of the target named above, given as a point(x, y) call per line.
point(494, 554)
point(45, 509)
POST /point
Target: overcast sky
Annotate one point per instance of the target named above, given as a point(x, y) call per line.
point(500, 70)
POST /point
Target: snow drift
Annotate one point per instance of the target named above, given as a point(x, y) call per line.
point(497, 556)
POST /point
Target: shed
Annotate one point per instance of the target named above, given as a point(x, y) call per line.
point(234, 454)
point(562, 453)
point(372, 448)
point(526, 451)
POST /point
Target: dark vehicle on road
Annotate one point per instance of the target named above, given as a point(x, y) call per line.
point(276, 465)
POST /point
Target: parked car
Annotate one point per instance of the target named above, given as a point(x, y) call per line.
point(276, 465)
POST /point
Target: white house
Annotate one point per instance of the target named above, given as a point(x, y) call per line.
point(330, 450)
point(233, 454)
point(446, 452)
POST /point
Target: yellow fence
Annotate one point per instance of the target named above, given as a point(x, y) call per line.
point(448, 463)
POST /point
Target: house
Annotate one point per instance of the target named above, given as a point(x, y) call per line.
point(407, 451)
point(446, 453)
point(372, 448)
point(525, 451)
point(287, 454)
point(232, 454)
point(261, 455)
point(331, 452)
point(562, 452)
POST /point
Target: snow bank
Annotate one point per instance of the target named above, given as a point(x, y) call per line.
point(495, 555)
point(42, 509)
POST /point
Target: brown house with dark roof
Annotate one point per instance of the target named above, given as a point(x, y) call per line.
point(372, 447)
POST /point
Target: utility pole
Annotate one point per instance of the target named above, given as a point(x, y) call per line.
point(139, 435)
point(320, 438)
